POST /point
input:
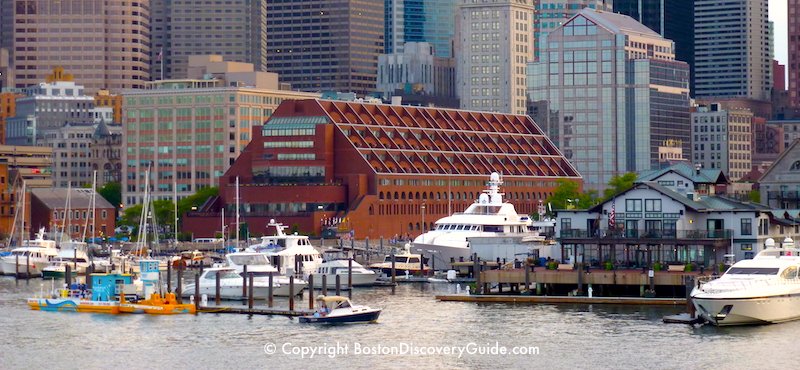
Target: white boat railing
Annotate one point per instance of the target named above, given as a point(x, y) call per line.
point(725, 286)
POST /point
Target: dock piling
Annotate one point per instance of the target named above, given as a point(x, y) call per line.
point(169, 277)
point(89, 272)
point(394, 272)
point(244, 282)
point(291, 292)
point(527, 266)
point(350, 278)
point(16, 267)
point(338, 284)
point(179, 291)
point(250, 292)
point(28, 266)
point(197, 291)
point(217, 289)
point(324, 284)
point(269, 292)
point(67, 275)
point(311, 291)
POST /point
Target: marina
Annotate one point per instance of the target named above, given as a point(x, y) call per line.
point(213, 339)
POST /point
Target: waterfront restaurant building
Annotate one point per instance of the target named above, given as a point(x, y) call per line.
point(672, 217)
point(379, 170)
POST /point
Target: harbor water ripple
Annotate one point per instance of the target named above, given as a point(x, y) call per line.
point(566, 337)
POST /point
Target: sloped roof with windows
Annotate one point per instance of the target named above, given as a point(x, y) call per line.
point(615, 23)
point(708, 203)
point(704, 176)
point(396, 139)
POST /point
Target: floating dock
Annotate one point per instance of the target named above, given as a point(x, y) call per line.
point(560, 300)
point(254, 311)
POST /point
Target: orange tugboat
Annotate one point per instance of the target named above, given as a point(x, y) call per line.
point(156, 305)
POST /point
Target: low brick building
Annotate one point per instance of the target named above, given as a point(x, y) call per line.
point(379, 170)
point(48, 210)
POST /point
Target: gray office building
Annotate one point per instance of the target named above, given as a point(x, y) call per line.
point(733, 49)
point(325, 45)
point(609, 92)
point(235, 29)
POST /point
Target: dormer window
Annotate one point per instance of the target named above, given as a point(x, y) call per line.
point(795, 166)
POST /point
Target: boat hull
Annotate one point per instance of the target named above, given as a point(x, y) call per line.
point(748, 311)
point(358, 280)
point(235, 292)
point(8, 265)
point(169, 309)
point(369, 316)
point(73, 305)
point(55, 274)
point(441, 253)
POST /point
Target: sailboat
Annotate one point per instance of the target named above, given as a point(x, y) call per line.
point(33, 254)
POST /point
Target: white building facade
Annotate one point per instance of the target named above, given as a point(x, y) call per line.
point(496, 41)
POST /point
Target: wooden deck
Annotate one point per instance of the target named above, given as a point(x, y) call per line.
point(560, 300)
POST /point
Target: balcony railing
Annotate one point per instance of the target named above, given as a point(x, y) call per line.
point(645, 234)
point(783, 195)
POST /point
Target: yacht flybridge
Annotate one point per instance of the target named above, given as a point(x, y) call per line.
point(488, 216)
point(765, 289)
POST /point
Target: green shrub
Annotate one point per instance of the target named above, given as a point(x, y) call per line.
point(608, 266)
point(688, 267)
point(658, 266)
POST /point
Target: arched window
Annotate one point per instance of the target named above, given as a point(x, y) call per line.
point(795, 166)
point(380, 195)
point(410, 226)
point(396, 196)
point(416, 196)
point(371, 210)
point(403, 195)
point(417, 226)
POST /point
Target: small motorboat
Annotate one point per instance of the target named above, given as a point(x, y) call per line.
point(157, 305)
point(339, 310)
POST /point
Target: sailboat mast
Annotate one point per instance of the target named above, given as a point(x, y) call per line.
point(175, 199)
point(22, 229)
point(94, 203)
point(222, 222)
point(237, 212)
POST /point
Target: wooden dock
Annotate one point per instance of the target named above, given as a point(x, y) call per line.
point(560, 300)
point(254, 311)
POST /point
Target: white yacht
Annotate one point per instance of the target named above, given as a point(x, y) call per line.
point(282, 249)
point(258, 264)
point(75, 256)
point(405, 263)
point(330, 269)
point(488, 216)
point(231, 285)
point(34, 255)
point(763, 290)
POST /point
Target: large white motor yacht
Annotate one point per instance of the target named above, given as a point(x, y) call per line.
point(339, 267)
point(282, 249)
point(32, 257)
point(488, 216)
point(763, 290)
point(259, 265)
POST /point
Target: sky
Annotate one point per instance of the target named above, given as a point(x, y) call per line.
point(777, 14)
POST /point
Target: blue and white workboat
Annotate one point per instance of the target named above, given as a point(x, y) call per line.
point(339, 310)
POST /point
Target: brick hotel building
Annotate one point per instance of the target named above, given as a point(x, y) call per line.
point(379, 170)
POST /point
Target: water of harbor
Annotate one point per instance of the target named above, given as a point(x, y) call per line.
point(566, 337)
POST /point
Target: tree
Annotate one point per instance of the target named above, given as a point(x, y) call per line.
point(618, 184)
point(112, 192)
point(195, 200)
point(754, 196)
point(567, 192)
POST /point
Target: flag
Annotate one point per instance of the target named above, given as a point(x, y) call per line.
point(160, 54)
point(612, 216)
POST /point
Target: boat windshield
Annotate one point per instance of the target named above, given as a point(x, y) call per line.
point(396, 259)
point(227, 274)
point(249, 259)
point(753, 271)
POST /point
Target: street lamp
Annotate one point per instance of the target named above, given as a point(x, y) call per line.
point(422, 208)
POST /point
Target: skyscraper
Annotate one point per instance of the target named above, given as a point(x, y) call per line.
point(325, 45)
point(104, 44)
point(733, 49)
point(610, 95)
point(430, 21)
point(495, 41)
point(794, 52)
point(552, 13)
point(234, 29)
point(673, 19)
